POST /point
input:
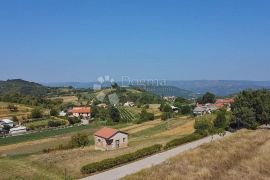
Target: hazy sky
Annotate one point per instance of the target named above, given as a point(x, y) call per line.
point(53, 40)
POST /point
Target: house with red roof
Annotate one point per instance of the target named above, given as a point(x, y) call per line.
point(84, 112)
point(110, 139)
point(220, 103)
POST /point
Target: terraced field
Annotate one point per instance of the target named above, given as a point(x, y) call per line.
point(22, 111)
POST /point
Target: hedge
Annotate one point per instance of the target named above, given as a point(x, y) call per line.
point(183, 140)
point(112, 162)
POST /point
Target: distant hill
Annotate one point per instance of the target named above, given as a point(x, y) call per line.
point(219, 87)
point(22, 87)
point(168, 91)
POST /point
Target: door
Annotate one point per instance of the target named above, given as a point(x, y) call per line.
point(117, 143)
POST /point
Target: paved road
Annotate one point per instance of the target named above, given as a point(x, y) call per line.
point(148, 162)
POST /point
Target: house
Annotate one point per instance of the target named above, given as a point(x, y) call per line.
point(220, 103)
point(200, 110)
point(129, 104)
point(6, 122)
point(110, 139)
point(85, 112)
point(18, 130)
point(204, 109)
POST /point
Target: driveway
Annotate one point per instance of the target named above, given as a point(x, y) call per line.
point(117, 173)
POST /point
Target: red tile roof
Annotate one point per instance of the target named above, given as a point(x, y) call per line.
point(106, 132)
point(80, 110)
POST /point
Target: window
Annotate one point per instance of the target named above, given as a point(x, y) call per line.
point(99, 140)
point(124, 139)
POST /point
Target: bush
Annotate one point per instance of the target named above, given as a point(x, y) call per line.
point(112, 162)
point(166, 115)
point(73, 120)
point(36, 113)
point(79, 140)
point(203, 126)
point(53, 112)
point(220, 122)
point(180, 141)
point(56, 123)
point(146, 116)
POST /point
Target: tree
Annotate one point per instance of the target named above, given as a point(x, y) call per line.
point(245, 117)
point(220, 122)
point(146, 116)
point(114, 114)
point(79, 140)
point(165, 108)
point(203, 126)
point(208, 98)
point(36, 113)
point(185, 109)
point(53, 112)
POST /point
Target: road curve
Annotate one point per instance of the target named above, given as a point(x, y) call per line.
point(120, 172)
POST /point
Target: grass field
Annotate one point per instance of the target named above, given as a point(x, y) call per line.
point(23, 111)
point(244, 155)
point(141, 135)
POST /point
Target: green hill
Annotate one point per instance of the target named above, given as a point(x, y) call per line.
point(22, 87)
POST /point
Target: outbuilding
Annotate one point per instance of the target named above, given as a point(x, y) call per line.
point(110, 139)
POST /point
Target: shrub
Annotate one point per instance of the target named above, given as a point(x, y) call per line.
point(112, 162)
point(146, 116)
point(73, 120)
point(180, 141)
point(79, 140)
point(56, 123)
point(36, 113)
point(54, 112)
point(166, 115)
point(203, 126)
point(220, 121)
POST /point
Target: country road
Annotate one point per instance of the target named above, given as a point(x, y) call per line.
point(120, 172)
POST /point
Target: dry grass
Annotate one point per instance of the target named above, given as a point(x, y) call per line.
point(187, 128)
point(245, 155)
point(139, 127)
point(67, 99)
point(23, 111)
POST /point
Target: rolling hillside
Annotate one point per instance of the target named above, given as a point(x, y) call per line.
point(22, 87)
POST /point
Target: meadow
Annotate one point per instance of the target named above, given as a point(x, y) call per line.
point(244, 155)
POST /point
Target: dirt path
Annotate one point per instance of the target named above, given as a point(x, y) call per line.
point(148, 162)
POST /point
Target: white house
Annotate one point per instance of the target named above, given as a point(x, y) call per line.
point(6, 122)
point(110, 139)
point(85, 112)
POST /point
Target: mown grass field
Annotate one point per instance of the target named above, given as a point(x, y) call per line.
point(244, 155)
point(72, 160)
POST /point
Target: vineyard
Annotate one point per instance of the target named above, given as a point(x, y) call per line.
point(127, 115)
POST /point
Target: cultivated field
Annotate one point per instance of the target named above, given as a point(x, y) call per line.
point(244, 155)
point(23, 111)
point(56, 163)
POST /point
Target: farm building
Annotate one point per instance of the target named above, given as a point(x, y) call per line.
point(85, 112)
point(129, 104)
point(110, 139)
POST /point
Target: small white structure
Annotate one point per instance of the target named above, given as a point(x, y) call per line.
point(7, 122)
point(84, 121)
point(18, 130)
point(62, 114)
point(110, 139)
point(129, 104)
point(85, 112)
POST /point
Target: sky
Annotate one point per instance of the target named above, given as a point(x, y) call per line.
point(78, 41)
